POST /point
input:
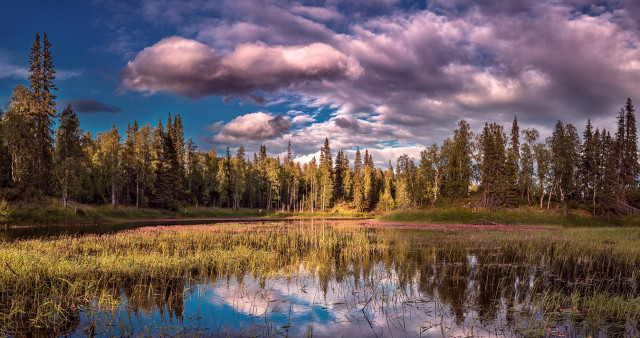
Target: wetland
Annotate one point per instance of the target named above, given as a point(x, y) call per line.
point(321, 277)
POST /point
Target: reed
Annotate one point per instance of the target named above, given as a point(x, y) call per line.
point(580, 275)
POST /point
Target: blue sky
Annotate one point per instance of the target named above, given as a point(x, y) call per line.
point(391, 76)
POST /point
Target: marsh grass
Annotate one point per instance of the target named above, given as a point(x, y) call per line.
point(56, 214)
point(520, 216)
point(540, 279)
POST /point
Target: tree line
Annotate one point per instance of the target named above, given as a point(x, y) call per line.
point(154, 166)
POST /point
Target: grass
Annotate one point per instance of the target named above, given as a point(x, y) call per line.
point(57, 214)
point(520, 216)
point(48, 284)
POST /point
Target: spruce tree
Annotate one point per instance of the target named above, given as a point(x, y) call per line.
point(358, 182)
point(512, 166)
point(370, 189)
point(493, 181)
point(631, 165)
point(338, 178)
point(42, 74)
point(326, 175)
point(588, 162)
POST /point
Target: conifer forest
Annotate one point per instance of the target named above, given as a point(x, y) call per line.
point(45, 152)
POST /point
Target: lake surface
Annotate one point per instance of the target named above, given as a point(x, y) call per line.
point(426, 282)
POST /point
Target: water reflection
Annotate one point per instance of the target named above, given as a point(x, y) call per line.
point(412, 297)
point(400, 283)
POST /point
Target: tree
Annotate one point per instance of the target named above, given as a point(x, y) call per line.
point(564, 144)
point(5, 156)
point(631, 164)
point(143, 158)
point(173, 154)
point(405, 181)
point(493, 181)
point(211, 168)
point(543, 162)
point(41, 76)
point(194, 173)
point(358, 182)
point(238, 177)
point(179, 146)
point(68, 155)
point(527, 161)
point(430, 171)
point(108, 160)
point(18, 123)
point(387, 202)
point(588, 163)
point(370, 183)
point(224, 179)
point(326, 175)
point(458, 169)
point(512, 166)
point(338, 177)
point(609, 185)
point(310, 173)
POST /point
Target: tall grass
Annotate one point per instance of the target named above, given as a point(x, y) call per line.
point(82, 214)
point(45, 285)
point(520, 216)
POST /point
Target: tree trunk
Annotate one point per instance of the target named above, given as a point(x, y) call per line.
point(113, 193)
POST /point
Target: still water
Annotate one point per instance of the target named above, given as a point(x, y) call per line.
point(415, 288)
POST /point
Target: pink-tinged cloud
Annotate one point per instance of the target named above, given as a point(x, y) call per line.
point(252, 127)
point(193, 69)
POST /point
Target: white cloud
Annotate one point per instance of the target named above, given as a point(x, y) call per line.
point(249, 127)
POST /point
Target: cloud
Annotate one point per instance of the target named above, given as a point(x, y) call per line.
point(390, 72)
point(215, 127)
point(190, 68)
point(10, 71)
point(303, 119)
point(252, 127)
point(317, 13)
point(93, 106)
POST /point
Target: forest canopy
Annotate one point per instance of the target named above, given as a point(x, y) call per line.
point(155, 166)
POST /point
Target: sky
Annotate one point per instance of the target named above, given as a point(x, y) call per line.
point(392, 76)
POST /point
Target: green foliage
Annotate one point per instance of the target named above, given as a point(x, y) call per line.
point(493, 182)
point(458, 168)
point(157, 167)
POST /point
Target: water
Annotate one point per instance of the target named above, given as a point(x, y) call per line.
point(412, 289)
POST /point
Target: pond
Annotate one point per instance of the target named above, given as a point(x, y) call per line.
point(326, 278)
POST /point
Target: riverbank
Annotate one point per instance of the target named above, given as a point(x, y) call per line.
point(56, 214)
point(519, 216)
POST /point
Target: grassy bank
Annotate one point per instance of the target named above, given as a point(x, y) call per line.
point(520, 216)
point(586, 275)
point(57, 214)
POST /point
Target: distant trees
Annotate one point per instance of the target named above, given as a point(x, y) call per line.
point(157, 167)
point(458, 169)
point(493, 181)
